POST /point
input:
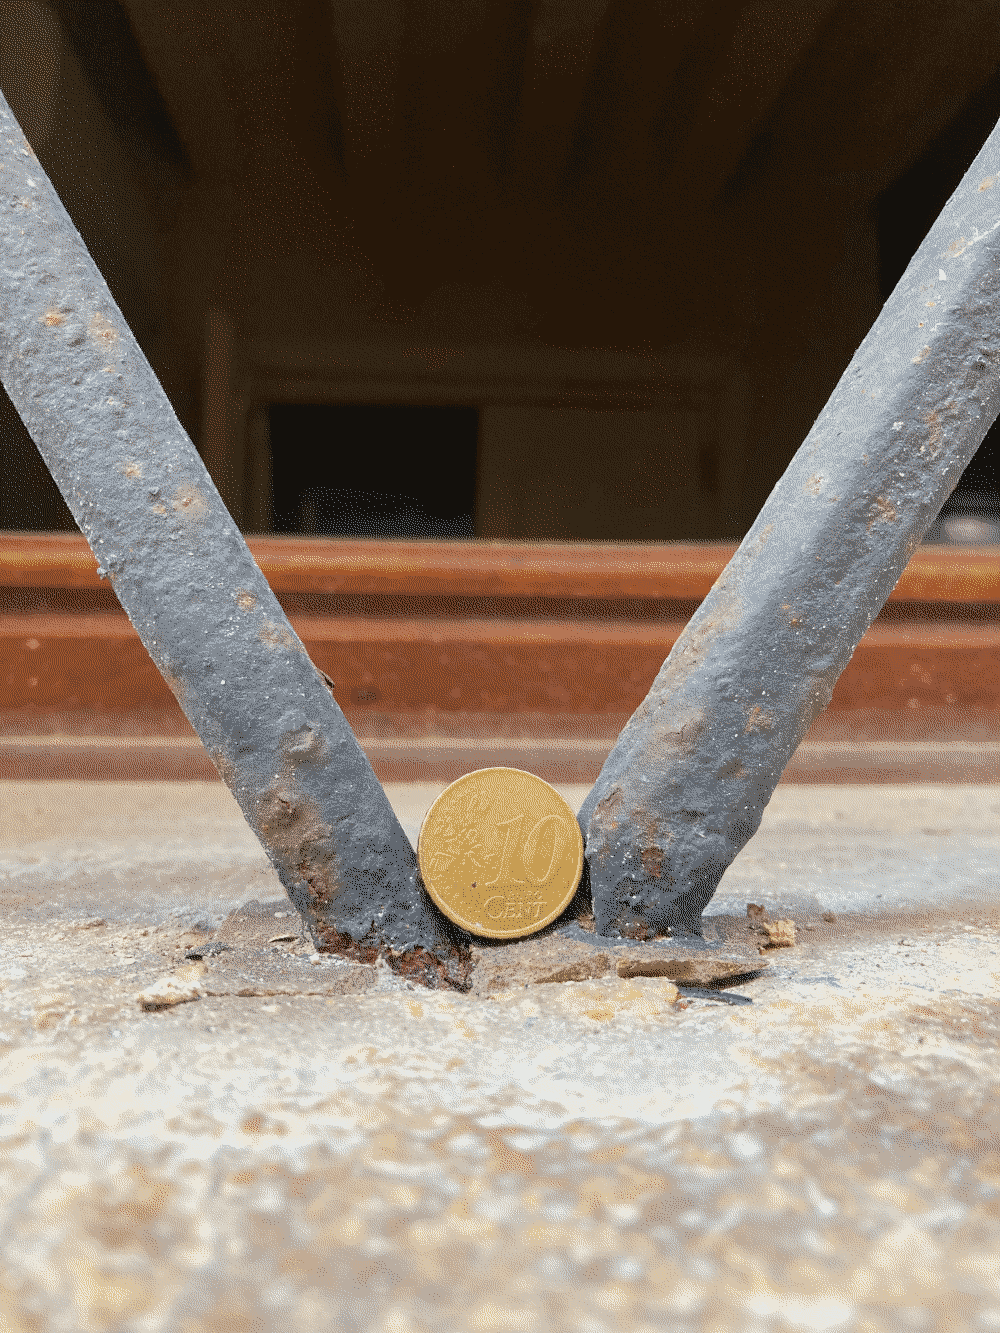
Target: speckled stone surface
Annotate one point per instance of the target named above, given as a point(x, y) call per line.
point(597, 1154)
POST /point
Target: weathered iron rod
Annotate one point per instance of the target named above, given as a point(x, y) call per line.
point(201, 606)
point(686, 784)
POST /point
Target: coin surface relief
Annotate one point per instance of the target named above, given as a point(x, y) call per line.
point(501, 853)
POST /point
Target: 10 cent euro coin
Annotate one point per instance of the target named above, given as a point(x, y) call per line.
point(500, 853)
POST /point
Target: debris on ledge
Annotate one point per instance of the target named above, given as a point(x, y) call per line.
point(261, 950)
point(780, 934)
point(569, 953)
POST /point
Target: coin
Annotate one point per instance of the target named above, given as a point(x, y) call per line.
point(500, 853)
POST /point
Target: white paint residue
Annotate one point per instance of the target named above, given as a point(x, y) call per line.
point(802, 1314)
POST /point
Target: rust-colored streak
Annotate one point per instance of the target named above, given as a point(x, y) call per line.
point(885, 512)
point(760, 541)
point(278, 637)
point(53, 318)
point(668, 736)
point(935, 434)
point(631, 927)
point(652, 853)
point(417, 964)
point(289, 822)
point(606, 812)
point(102, 330)
point(649, 826)
point(758, 719)
point(190, 502)
point(652, 861)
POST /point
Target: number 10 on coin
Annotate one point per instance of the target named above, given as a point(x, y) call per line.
point(500, 853)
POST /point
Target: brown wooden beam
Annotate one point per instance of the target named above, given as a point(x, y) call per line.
point(497, 569)
point(449, 656)
point(95, 662)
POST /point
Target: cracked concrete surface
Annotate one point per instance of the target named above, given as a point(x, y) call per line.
point(592, 1155)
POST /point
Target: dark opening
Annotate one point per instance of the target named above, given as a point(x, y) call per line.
point(29, 498)
point(373, 471)
point(905, 212)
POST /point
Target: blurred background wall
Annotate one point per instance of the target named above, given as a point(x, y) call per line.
point(564, 269)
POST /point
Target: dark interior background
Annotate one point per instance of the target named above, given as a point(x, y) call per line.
point(904, 213)
point(570, 268)
point(370, 470)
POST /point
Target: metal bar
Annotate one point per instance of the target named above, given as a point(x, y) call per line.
point(201, 606)
point(686, 784)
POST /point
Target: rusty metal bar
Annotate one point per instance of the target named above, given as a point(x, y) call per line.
point(201, 606)
point(686, 784)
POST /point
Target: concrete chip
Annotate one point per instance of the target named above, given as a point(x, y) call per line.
point(574, 955)
point(259, 950)
point(177, 987)
point(780, 934)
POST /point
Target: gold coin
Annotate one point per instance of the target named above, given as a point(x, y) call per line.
point(500, 853)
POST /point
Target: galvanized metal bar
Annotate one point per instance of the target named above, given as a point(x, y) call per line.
point(686, 784)
point(201, 606)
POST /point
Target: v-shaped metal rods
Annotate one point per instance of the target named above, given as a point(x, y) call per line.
point(685, 786)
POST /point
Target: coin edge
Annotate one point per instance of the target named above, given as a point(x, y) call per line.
point(504, 935)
